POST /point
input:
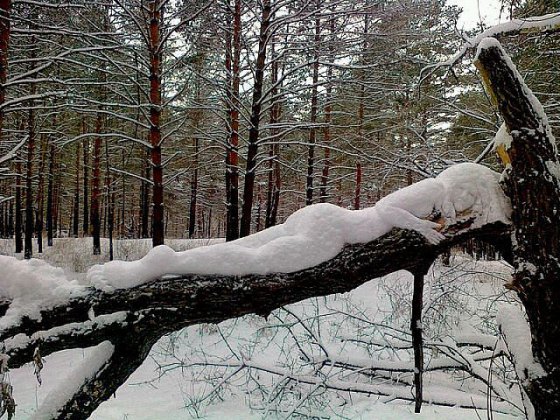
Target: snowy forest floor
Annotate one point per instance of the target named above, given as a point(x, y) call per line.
point(196, 372)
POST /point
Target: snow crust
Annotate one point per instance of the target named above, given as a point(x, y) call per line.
point(318, 233)
point(57, 398)
point(32, 285)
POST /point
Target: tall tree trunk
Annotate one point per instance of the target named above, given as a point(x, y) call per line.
point(95, 191)
point(273, 188)
point(5, 9)
point(76, 208)
point(155, 51)
point(313, 116)
point(358, 190)
point(323, 192)
point(86, 151)
point(110, 202)
point(18, 224)
point(232, 153)
point(194, 192)
point(145, 201)
point(50, 192)
point(533, 184)
point(122, 225)
point(249, 184)
point(41, 195)
point(29, 216)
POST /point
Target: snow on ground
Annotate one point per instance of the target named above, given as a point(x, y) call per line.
point(317, 233)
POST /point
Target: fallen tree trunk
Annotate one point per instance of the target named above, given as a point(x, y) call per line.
point(133, 319)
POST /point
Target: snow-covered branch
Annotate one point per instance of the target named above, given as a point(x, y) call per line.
point(544, 24)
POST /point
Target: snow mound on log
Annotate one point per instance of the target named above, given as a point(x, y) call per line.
point(318, 233)
point(32, 285)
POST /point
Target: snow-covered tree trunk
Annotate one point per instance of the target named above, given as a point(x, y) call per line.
point(533, 184)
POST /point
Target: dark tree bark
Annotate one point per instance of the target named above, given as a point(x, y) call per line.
point(5, 9)
point(29, 214)
point(313, 115)
point(50, 194)
point(274, 180)
point(86, 210)
point(253, 147)
point(416, 327)
point(41, 195)
point(533, 185)
point(18, 228)
point(358, 189)
point(323, 192)
point(233, 59)
point(76, 207)
point(95, 190)
point(194, 193)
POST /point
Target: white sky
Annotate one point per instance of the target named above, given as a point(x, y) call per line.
point(489, 12)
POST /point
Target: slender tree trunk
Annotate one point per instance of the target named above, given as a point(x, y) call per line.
point(50, 186)
point(155, 51)
point(29, 216)
point(76, 209)
point(86, 210)
point(273, 189)
point(323, 192)
point(41, 195)
point(249, 184)
point(95, 191)
point(232, 158)
point(11, 220)
point(122, 225)
point(18, 224)
point(57, 214)
point(313, 116)
point(5, 9)
point(194, 192)
point(110, 202)
point(145, 205)
point(358, 191)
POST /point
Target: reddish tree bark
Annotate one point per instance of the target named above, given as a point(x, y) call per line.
point(154, 49)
